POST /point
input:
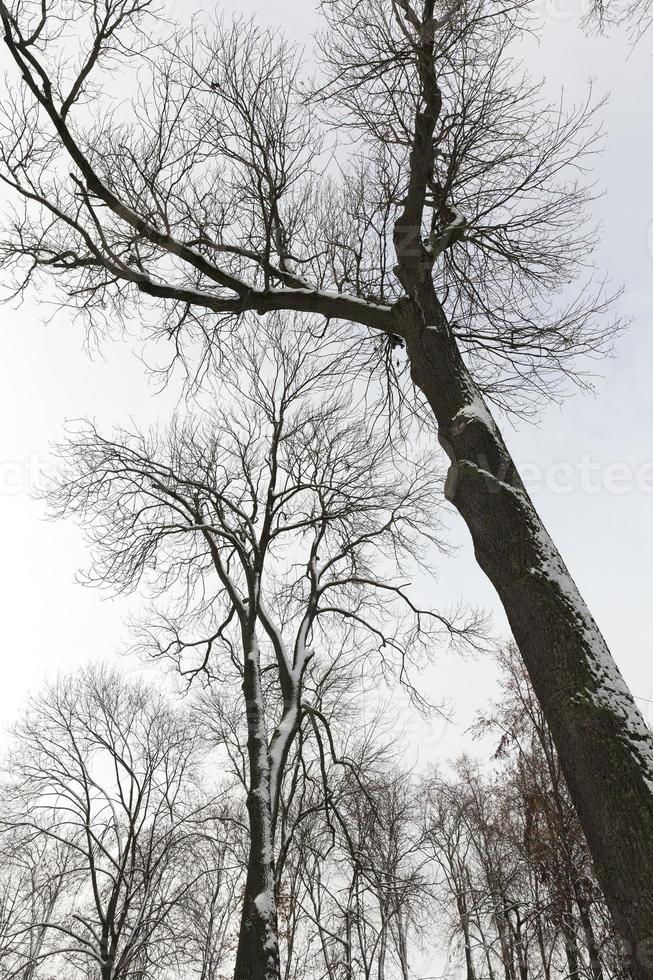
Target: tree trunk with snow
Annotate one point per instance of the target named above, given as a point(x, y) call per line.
point(605, 747)
point(257, 957)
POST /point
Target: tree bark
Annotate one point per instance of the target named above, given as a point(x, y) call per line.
point(544, 957)
point(585, 914)
point(464, 923)
point(257, 957)
point(605, 748)
point(571, 945)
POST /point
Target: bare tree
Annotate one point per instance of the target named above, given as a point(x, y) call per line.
point(32, 878)
point(634, 15)
point(204, 927)
point(102, 785)
point(361, 890)
point(514, 876)
point(549, 835)
point(274, 530)
point(375, 860)
point(504, 884)
point(457, 219)
point(389, 857)
point(447, 843)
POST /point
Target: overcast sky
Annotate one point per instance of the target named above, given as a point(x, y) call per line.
point(589, 463)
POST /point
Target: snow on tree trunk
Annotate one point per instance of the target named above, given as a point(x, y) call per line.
point(257, 957)
point(604, 745)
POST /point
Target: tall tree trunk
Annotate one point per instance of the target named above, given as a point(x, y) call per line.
point(106, 970)
point(503, 933)
point(469, 959)
point(383, 944)
point(487, 948)
point(544, 956)
point(585, 915)
point(522, 959)
point(402, 943)
point(257, 957)
point(349, 953)
point(571, 951)
point(605, 748)
point(464, 923)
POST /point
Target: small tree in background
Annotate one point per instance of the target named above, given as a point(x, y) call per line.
point(102, 786)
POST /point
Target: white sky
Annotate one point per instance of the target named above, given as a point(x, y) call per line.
point(606, 537)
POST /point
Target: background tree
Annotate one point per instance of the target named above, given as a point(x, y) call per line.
point(362, 898)
point(205, 931)
point(278, 533)
point(463, 217)
point(32, 878)
point(102, 786)
point(513, 872)
point(551, 836)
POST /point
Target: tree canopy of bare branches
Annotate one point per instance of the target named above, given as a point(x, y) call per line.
point(104, 812)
